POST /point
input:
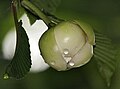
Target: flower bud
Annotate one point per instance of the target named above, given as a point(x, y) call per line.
point(67, 45)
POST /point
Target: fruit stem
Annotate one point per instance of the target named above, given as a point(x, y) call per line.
point(13, 5)
point(28, 5)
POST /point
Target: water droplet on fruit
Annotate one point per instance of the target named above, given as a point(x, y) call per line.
point(66, 51)
point(71, 63)
point(67, 57)
point(52, 63)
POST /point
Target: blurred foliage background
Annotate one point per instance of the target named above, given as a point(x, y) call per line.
point(103, 15)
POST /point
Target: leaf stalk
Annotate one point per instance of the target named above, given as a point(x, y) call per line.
point(28, 5)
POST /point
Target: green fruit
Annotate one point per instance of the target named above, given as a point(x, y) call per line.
point(67, 45)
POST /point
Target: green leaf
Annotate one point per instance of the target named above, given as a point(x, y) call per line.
point(47, 5)
point(21, 62)
point(32, 17)
point(104, 54)
point(115, 83)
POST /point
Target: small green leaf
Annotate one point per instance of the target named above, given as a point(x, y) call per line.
point(104, 54)
point(32, 18)
point(21, 62)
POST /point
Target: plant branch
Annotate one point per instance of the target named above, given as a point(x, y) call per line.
point(13, 5)
point(28, 5)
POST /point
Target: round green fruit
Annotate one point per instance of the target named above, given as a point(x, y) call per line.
point(67, 45)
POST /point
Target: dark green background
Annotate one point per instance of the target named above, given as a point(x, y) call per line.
point(103, 15)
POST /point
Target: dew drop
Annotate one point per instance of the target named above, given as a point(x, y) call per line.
point(66, 51)
point(67, 58)
point(52, 63)
point(71, 63)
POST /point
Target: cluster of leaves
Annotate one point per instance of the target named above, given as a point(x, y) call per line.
point(104, 52)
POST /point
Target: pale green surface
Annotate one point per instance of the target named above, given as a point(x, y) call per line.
point(84, 55)
point(69, 36)
point(66, 46)
point(88, 30)
point(50, 51)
